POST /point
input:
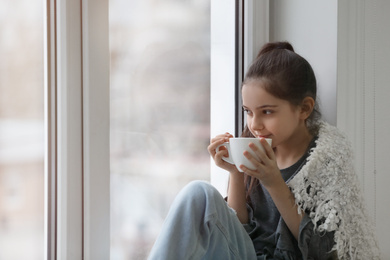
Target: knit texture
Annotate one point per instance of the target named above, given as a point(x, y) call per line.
point(328, 189)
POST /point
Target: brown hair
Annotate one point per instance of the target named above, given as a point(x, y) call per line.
point(288, 76)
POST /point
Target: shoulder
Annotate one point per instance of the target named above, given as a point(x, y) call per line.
point(332, 146)
point(329, 169)
point(332, 139)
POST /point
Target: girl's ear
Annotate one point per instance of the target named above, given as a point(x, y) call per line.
point(307, 107)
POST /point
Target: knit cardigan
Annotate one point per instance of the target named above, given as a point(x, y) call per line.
point(328, 190)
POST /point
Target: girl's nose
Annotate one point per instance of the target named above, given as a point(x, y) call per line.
point(257, 124)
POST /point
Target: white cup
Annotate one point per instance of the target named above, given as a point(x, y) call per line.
point(236, 148)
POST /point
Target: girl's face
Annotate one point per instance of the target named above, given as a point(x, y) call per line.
point(271, 117)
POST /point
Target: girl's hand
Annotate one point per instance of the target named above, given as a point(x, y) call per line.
point(267, 170)
point(217, 156)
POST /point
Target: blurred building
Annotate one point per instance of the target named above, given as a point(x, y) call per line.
point(21, 130)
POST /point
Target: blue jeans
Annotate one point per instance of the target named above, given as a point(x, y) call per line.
point(200, 225)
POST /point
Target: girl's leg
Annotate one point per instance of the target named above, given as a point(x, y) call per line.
point(200, 225)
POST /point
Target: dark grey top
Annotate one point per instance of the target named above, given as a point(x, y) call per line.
point(271, 237)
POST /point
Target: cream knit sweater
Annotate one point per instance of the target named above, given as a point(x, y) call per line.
point(328, 188)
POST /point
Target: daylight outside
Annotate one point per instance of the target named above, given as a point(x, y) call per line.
point(160, 113)
point(21, 130)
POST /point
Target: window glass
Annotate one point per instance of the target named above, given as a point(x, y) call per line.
point(21, 130)
point(160, 113)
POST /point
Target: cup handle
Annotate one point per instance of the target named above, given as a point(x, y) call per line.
point(226, 159)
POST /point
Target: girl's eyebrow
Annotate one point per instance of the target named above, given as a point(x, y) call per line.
point(262, 107)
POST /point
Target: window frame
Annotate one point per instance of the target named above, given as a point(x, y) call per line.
point(77, 130)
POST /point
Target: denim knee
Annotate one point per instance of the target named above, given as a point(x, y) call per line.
point(199, 191)
point(198, 195)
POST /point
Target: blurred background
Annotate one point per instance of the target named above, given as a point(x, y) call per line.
point(21, 130)
point(160, 113)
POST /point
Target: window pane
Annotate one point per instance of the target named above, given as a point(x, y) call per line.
point(160, 111)
point(21, 129)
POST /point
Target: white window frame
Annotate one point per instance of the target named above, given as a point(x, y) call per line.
point(77, 173)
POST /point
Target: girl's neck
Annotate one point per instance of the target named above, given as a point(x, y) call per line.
point(290, 152)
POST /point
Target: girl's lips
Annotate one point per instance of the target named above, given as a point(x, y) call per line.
point(264, 136)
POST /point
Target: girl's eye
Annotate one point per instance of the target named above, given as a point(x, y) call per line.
point(247, 111)
point(267, 112)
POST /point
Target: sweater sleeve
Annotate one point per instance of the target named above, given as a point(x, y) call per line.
point(315, 245)
point(250, 226)
point(310, 244)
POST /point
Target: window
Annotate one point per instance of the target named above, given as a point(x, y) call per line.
point(160, 114)
point(21, 130)
point(69, 61)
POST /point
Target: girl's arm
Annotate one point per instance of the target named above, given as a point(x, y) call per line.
point(237, 196)
point(269, 175)
point(285, 202)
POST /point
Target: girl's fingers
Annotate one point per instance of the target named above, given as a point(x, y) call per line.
point(216, 141)
point(267, 154)
point(261, 154)
point(225, 136)
point(253, 173)
point(222, 153)
point(214, 144)
point(258, 164)
point(218, 159)
point(268, 149)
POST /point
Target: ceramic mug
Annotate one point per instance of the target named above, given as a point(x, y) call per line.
point(237, 146)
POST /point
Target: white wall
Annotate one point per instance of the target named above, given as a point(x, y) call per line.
point(363, 93)
point(346, 44)
point(311, 27)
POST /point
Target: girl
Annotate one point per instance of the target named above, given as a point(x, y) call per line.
point(303, 200)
